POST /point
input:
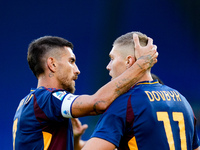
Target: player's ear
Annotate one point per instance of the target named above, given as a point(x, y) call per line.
point(51, 64)
point(130, 60)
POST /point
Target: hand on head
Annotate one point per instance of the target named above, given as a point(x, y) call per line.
point(149, 50)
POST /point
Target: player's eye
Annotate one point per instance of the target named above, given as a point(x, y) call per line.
point(72, 60)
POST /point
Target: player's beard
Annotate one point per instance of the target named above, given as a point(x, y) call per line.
point(69, 86)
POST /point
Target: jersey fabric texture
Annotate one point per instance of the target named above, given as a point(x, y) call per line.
point(39, 124)
point(150, 116)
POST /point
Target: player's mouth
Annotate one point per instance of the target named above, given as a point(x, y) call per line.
point(110, 76)
point(75, 78)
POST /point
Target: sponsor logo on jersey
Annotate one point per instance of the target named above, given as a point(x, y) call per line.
point(59, 95)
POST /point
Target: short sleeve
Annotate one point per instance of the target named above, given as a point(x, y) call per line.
point(51, 103)
point(66, 100)
point(111, 125)
point(196, 142)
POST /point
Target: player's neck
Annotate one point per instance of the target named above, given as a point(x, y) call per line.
point(47, 81)
point(146, 77)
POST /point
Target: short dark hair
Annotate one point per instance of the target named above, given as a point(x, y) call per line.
point(41, 46)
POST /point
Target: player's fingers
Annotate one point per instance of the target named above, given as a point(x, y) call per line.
point(154, 48)
point(75, 121)
point(155, 58)
point(136, 41)
point(150, 42)
point(85, 126)
point(152, 51)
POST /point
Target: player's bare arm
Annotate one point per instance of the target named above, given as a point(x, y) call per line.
point(99, 102)
point(197, 148)
point(98, 144)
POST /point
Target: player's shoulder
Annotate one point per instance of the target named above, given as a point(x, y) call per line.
point(49, 92)
point(119, 106)
point(168, 88)
point(151, 86)
point(42, 90)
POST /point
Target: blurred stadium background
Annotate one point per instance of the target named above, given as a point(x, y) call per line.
point(92, 25)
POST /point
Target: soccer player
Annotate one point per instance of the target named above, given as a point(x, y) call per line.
point(150, 116)
point(42, 119)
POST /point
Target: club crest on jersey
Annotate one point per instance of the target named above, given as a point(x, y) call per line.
point(59, 94)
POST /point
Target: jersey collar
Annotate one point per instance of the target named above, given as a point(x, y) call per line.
point(148, 82)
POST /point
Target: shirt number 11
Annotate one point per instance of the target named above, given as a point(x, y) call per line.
point(177, 116)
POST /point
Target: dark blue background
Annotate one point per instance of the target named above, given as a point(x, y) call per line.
point(92, 26)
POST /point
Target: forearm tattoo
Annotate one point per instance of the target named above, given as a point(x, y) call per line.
point(139, 65)
point(95, 107)
point(119, 87)
point(148, 59)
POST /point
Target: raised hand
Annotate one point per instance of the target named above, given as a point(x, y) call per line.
point(78, 130)
point(148, 52)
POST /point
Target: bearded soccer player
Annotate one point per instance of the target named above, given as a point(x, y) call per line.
point(42, 119)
